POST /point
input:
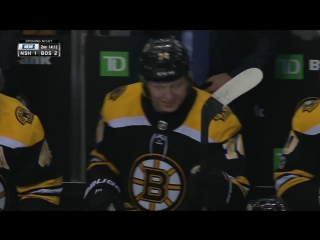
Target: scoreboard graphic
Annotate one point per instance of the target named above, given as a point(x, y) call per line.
point(39, 47)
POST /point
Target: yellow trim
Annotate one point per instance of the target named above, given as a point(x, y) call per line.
point(105, 162)
point(99, 155)
point(302, 120)
point(123, 107)
point(128, 207)
point(49, 183)
point(239, 185)
point(52, 199)
point(2, 194)
point(290, 184)
point(28, 134)
point(243, 180)
point(276, 175)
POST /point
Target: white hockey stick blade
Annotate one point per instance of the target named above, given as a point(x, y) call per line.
point(238, 85)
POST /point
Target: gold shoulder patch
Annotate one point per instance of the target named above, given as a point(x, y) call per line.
point(116, 93)
point(222, 115)
point(309, 104)
point(24, 115)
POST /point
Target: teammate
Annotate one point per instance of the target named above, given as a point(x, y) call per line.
point(29, 179)
point(148, 148)
point(297, 176)
point(270, 203)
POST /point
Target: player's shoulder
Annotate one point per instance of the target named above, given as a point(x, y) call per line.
point(123, 94)
point(123, 101)
point(306, 118)
point(18, 125)
point(224, 124)
point(202, 96)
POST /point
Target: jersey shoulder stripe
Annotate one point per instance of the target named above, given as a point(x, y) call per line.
point(306, 119)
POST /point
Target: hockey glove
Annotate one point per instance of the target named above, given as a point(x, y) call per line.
point(213, 188)
point(103, 195)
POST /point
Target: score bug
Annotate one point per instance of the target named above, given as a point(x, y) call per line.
point(45, 53)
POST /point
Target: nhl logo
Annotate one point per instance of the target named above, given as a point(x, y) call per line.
point(162, 125)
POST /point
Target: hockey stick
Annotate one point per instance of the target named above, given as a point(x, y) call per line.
point(234, 88)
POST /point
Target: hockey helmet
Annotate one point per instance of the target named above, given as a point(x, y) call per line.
point(164, 60)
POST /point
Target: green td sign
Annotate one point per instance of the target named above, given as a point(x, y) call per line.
point(277, 153)
point(290, 67)
point(114, 64)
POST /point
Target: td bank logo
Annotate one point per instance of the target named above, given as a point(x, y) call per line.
point(289, 67)
point(277, 154)
point(114, 64)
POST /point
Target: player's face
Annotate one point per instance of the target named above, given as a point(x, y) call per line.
point(168, 96)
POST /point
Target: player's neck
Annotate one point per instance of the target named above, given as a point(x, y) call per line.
point(156, 107)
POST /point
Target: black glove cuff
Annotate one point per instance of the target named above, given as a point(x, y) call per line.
point(101, 193)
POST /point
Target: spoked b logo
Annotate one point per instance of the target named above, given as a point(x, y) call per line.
point(156, 183)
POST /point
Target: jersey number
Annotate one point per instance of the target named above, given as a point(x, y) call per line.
point(234, 146)
point(3, 162)
point(45, 155)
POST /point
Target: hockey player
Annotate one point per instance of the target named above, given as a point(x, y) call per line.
point(29, 178)
point(297, 177)
point(148, 147)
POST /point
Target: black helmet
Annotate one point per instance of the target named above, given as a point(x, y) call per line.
point(164, 60)
point(271, 203)
point(1, 80)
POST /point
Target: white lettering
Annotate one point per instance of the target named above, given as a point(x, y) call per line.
point(35, 61)
point(314, 65)
point(165, 73)
point(99, 181)
point(112, 63)
point(290, 66)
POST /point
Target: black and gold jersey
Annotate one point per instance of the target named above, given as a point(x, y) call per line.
point(150, 155)
point(297, 176)
point(27, 171)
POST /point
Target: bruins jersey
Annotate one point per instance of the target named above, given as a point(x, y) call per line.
point(150, 155)
point(297, 176)
point(29, 179)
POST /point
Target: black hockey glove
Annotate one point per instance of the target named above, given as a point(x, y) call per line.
point(212, 188)
point(103, 195)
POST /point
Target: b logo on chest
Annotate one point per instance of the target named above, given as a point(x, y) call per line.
point(156, 183)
